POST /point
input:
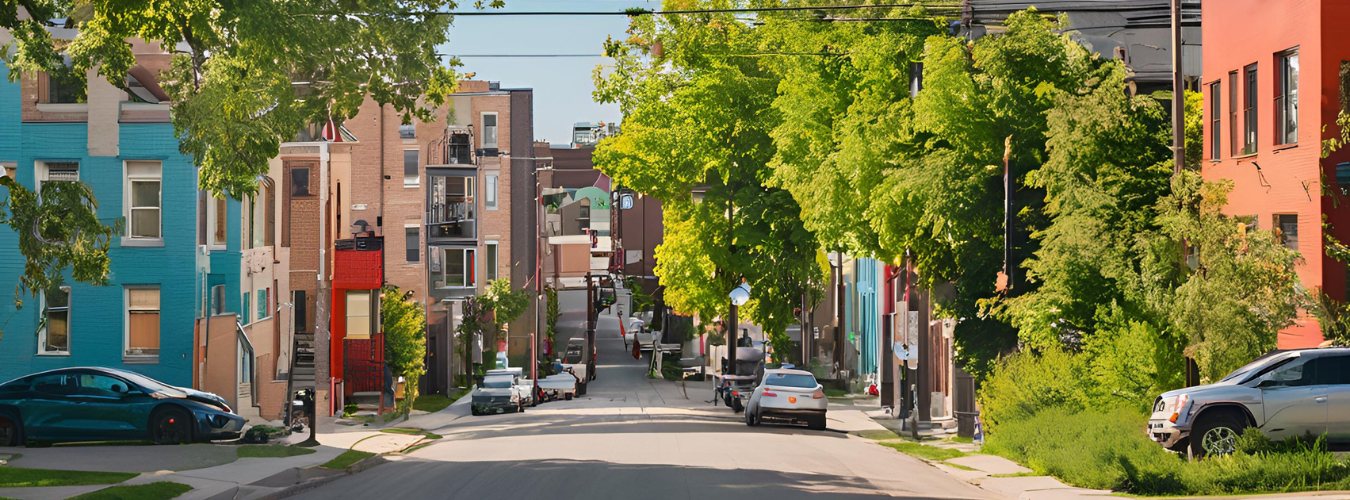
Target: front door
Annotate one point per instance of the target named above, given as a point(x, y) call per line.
point(1295, 405)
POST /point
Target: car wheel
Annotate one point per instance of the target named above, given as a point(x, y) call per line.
point(1216, 435)
point(736, 405)
point(581, 390)
point(9, 431)
point(475, 412)
point(171, 426)
point(816, 423)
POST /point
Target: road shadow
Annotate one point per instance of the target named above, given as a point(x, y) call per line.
point(414, 479)
point(528, 424)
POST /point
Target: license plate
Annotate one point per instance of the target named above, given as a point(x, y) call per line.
point(792, 399)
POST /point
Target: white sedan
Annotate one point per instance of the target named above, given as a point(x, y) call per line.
point(791, 396)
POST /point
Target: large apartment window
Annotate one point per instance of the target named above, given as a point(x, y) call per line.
point(1214, 128)
point(1232, 113)
point(54, 334)
point(143, 195)
point(1249, 110)
point(300, 310)
point(410, 172)
point(1286, 227)
point(490, 260)
point(490, 191)
point(142, 321)
point(1286, 99)
point(489, 130)
point(300, 181)
point(452, 200)
point(459, 268)
point(63, 87)
point(359, 309)
point(413, 242)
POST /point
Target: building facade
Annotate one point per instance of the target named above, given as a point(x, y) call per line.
point(1268, 93)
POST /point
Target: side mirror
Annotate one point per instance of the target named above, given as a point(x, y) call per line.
point(1267, 383)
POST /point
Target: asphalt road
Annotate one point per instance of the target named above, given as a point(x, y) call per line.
point(632, 437)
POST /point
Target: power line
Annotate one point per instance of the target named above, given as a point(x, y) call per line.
point(647, 12)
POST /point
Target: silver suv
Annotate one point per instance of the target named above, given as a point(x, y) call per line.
point(1284, 394)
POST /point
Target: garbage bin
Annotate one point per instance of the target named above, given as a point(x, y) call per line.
point(965, 423)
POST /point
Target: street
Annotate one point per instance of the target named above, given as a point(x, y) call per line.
point(632, 437)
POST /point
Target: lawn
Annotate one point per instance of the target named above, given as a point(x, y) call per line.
point(12, 477)
point(346, 459)
point(878, 434)
point(412, 432)
point(835, 393)
point(433, 403)
point(270, 451)
point(923, 451)
point(163, 490)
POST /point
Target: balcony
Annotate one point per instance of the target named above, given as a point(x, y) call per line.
point(452, 207)
point(455, 148)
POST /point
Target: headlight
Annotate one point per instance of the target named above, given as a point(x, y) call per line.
point(1159, 406)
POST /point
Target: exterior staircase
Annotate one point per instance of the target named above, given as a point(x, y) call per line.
point(301, 374)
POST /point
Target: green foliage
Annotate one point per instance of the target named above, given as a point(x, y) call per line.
point(432, 403)
point(54, 237)
point(405, 341)
point(347, 459)
point(934, 453)
point(1108, 450)
point(272, 451)
point(700, 116)
point(13, 477)
point(642, 301)
point(551, 315)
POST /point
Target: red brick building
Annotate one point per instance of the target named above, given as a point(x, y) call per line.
point(1270, 84)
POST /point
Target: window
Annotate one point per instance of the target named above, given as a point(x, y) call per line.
point(143, 197)
point(54, 333)
point(459, 268)
point(218, 220)
point(407, 131)
point(915, 78)
point(1331, 370)
point(300, 310)
point(269, 210)
point(100, 386)
point(1214, 128)
point(1286, 99)
point(490, 191)
point(358, 314)
point(1292, 375)
point(413, 242)
point(249, 206)
point(217, 300)
point(452, 200)
point(300, 181)
point(1249, 111)
point(1232, 113)
point(264, 311)
point(57, 171)
point(1286, 227)
point(410, 172)
point(489, 130)
point(63, 87)
point(9, 169)
point(142, 322)
point(490, 260)
point(244, 316)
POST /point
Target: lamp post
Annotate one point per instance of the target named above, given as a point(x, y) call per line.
point(739, 296)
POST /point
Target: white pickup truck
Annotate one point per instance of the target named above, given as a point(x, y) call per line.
point(575, 362)
point(523, 387)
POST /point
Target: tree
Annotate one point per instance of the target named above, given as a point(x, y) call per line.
point(405, 340)
point(250, 74)
point(500, 305)
point(699, 115)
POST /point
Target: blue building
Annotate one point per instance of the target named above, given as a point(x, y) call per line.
point(168, 255)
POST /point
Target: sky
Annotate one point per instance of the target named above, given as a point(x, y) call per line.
point(562, 85)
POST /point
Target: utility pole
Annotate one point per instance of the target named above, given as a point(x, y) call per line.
point(590, 329)
point(1178, 95)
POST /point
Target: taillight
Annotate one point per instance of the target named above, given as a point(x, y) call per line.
point(736, 393)
point(768, 394)
point(818, 395)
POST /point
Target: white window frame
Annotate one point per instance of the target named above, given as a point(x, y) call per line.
point(470, 263)
point(490, 249)
point(130, 178)
point(126, 324)
point(211, 222)
point(496, 128)
point(41, 174)
point(42, 332)
point(490, 182)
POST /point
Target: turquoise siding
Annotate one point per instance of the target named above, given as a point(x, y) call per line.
point(97, 316)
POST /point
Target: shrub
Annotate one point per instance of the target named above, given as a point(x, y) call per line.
point(1024, 384)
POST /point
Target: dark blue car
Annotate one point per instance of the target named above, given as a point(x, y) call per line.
point(104, 404)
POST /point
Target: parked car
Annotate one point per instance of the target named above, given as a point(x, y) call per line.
point(1296, 393)
point(574, 362)
point(497, 394)
point(792, 396)
point(524, 387)
point(104, 404)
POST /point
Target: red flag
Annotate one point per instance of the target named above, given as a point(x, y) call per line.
point(637, 354)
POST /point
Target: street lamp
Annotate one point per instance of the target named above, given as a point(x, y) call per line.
point(739, 296)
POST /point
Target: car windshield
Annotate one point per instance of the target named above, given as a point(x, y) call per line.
point(1242, 374)
point(497, 383)
point(790, 380)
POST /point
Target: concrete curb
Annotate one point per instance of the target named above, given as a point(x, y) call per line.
point(299, 488)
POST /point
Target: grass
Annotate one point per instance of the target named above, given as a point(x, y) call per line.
point(12, 477)
point(835, 393)
point(346, 459)
point(269, 451)
point(966, 440)
point(933, 453)
point(959, 466)
point(1016, 474)
point(878, 434)
point(433, 403)
point(162, 490)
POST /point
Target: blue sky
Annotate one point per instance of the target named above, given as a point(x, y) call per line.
point(562, 86)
